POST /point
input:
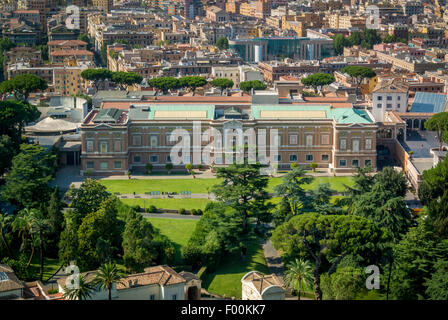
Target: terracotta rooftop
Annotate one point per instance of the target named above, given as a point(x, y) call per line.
point(261, 281)
point(27, 11)
point(161, 275)
point(66, 52)
point(8, 279)
point(325, 99)
point(67, 43)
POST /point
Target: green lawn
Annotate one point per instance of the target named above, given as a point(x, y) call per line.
point(336, 183)
point(226, 279)
point(50, 267)
point(141, 186)
point(177, 230)
point(174, 204)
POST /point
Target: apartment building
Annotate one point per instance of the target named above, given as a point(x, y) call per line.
point(237, 73)
point(66, 44)
point(389, 96)
point(409, 63)
point(273, 70)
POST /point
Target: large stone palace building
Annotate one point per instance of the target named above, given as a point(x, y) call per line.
point(124, 136)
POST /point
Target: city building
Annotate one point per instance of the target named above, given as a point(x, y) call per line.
point(125, 136)
point(273, 48)
point(389, 96)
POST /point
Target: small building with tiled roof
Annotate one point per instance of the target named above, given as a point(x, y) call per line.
point(258, 286)
point(10, 286)
point(154, 283)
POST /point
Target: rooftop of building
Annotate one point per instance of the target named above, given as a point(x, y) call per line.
point(261, 281)
point(8, 279)
point(67, 52)
point(428, 102)
point(307, 112)
point(160, 275)
point(67, 43)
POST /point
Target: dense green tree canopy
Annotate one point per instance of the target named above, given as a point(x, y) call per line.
point(222, 83)
point(165, 83)
point(22, 85)
point(414, 262)
point(97, 75)
point(192, 82)
point(126, 78)
point(437, 286)
point(329, 238)
point(218, 232)
point(87, 198)
point(433, 192)
point(346, 283)
point(26, 183)
point(293, 193)
point(317, 80)
point(247, 86)
point(359, 73)
point(244, 189)
point(99, 226)
point(439, 123)
point(142, 244)
point(222, 43)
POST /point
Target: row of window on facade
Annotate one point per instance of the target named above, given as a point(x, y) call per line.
point(388, 98)
point(293, 140)
point(137, 159)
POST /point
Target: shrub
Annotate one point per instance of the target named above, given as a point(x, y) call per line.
point(137, 208)
point(189, 167)
point(193, 212)
point(169, 167)
point(313, 166)
point(88, 173)
point(199, 166)
point(192, 254)
point(152, 208)
point(199, 212)
point(182, 211)
point(148, 168)
point(294, 165)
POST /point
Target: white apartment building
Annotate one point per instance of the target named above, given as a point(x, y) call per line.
point(237, 74)
point(389, 96)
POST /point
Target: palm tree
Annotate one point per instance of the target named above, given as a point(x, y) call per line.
point(106, 277)
point(80, 292)
point(40, 225)
point(23, 225)
point(5, 221)
point(299, 275)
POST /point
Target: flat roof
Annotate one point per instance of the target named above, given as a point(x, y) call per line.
point(172, 112)
point(428, 102)
point(340, 115)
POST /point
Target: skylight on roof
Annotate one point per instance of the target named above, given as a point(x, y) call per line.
point(3, 276)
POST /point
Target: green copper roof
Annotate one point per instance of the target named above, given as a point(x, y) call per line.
point(340, 115)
